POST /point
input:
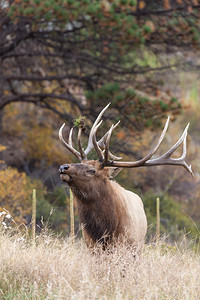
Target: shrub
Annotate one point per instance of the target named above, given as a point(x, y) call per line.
point(173, 220)
point(15, 193)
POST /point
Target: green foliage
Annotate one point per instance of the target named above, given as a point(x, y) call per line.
point(79, 122)
point(174, 222)
point(140, 108)
point(115, 14)
point(53, 216)
point(147, 29)
point(163, 105)
point(54, 210)
point(174, 100)
point(112, 42)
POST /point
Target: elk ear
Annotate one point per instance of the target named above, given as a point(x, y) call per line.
point(112, 172)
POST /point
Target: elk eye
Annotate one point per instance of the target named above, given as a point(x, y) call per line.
point(91, 171)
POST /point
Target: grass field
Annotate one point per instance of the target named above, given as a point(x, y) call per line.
point(58, 269)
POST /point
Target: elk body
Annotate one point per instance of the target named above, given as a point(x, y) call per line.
point(106, 210)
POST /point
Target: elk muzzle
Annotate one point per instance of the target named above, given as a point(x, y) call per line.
point(63, 168)
point(63, 173)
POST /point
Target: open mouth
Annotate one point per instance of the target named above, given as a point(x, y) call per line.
point(65, 177)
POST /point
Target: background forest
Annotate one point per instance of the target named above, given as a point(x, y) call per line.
point(63, 59)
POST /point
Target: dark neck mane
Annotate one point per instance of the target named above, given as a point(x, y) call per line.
point(97, 211)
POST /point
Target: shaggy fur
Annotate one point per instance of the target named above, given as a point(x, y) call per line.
point(107, 211)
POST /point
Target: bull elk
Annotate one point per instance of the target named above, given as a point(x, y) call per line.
point(106, 210)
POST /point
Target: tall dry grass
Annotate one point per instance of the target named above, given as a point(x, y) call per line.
point(58, 269)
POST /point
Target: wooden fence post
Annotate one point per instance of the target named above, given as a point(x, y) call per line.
point(71, 201)
point(34, 200)
point(158, 219)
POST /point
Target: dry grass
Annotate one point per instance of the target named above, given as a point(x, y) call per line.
point(57, 269)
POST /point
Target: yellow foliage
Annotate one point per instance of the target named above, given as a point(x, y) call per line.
point(12, 112)
point(142, 4)
point(167, 4)
point(15, 193)
point(2, 148)
point(39, 142)
point(40, 146)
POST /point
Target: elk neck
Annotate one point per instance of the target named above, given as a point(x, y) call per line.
point(97, 208)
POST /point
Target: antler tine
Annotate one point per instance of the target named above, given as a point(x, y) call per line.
point(107, 144)
point(68, 146)
point(82, 153)
point(187, 167)
point(90, 145)
point(70, 137)
point(165, 159)
point(101, 143)
point(151, 153)
point(95, 144)
point(142, 161)
point(112, 156)
point(177, 144)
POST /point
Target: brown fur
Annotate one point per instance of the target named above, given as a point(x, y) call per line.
point(107, 211)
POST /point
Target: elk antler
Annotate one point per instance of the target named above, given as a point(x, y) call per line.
point(165, 159)
point(102, 148)
point(92, 142)
point(69, 144)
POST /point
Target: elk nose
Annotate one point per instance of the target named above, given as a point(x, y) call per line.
point(63, 168)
